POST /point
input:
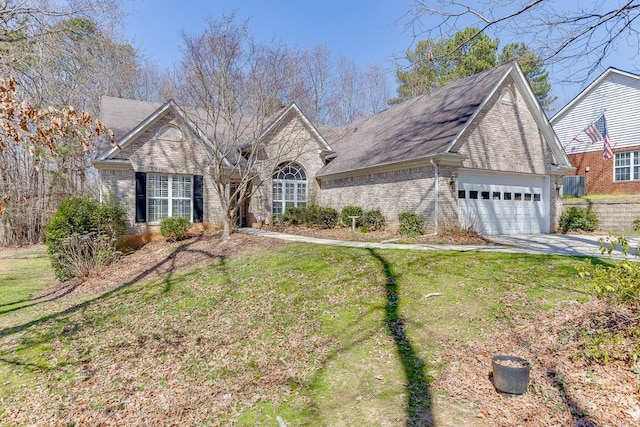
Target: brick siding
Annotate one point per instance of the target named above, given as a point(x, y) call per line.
point(600, 178)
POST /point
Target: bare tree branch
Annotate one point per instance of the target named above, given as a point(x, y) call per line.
point(559, 33)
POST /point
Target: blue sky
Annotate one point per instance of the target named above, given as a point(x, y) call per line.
point(369, 32)
point(363, 30)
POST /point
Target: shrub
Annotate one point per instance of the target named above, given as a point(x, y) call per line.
point(620, 281)
point(294, 215)
point(576, 219)
point(411, 224)
point(80, 255)
point(174, 228)
point(326, 217)
point(348, 211)
point(373, 220)
point(636, 225)
point(110, 218)
point(83, 217)
point(311, 216)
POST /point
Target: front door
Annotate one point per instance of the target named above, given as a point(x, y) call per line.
point(242, 206)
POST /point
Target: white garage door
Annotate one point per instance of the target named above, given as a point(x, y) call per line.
point(503, 204)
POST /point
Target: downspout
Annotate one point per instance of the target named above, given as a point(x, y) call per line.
point(100, 185)
point(435, 199)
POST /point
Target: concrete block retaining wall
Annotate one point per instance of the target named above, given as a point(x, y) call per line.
point(614, 214)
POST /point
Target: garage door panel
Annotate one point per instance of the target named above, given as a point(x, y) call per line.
point(505, 204)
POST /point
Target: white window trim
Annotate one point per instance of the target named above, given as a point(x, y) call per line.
point(631, 165)
point(297, 182)
point(169, 197)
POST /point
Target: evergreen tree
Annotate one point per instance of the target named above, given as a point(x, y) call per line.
point(437, 63)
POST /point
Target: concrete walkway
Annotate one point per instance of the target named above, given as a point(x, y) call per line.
point(547, 244)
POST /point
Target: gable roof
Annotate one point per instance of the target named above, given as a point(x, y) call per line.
point(427, 126)
point(143, 125)
point(130, 118)
point(611, 71)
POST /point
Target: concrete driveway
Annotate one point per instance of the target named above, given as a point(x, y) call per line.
point(563, 244)
point(548, 244)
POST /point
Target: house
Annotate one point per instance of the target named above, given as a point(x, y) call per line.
point(613, 98)
point(478, 153)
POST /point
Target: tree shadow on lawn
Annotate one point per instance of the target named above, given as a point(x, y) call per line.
point(53, 295)
point(164, 268)
point(418, 406)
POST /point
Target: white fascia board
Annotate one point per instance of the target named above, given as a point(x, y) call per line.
point(448, 159)
point(111, 163)
point(136, 131)
point(196, 130)
point(153, 117)
point(541, 118)
point(293, 107)
point(478, 110)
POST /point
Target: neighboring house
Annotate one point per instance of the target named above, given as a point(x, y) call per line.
point(479, 153)
point(614, 96)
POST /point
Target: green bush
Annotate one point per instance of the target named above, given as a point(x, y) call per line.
point(576, 219)
point(174, 228)
point(294, 215)
point(348, 211)
point(311, 216)
point(373, 220)
point(326, 217)
point(620, 281)
point(81, 217)
point(411, 224)
point(636, 225)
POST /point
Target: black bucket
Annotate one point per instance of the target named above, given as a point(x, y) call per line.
point(510, 379)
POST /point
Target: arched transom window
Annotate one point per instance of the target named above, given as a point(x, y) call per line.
point(289, 187)
point(507, 96)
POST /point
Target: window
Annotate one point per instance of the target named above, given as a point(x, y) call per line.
point(527, 197)
point(473, 194)
point(507, 196)
point(289, 188)
point(168, 195)
point(485, 195)
point(536, 197)
point(462, 194)
point(517, 196)
point(627, 166)
point(496, 195)
point(507, 97)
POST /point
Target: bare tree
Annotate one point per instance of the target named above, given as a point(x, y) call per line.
point(559, 32)
point(30, 139)
point(376, 89)
point(317, 74)
point(335, 91)
point(234, 87)
point(347, 103)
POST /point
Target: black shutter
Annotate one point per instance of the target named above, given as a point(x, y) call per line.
point(141, 197)
point(198, 198)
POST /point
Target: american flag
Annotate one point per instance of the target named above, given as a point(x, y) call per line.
point(597, 132)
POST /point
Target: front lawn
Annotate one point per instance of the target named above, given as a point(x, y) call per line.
point(314, 335)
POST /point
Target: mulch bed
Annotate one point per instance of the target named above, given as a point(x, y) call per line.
point(452, 236)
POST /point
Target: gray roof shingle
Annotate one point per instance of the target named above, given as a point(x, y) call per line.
point(124, 115)
point(417, 128)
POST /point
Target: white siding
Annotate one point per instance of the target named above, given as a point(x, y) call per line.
point(616, 95)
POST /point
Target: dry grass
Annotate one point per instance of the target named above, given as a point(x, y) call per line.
point(204, 332)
